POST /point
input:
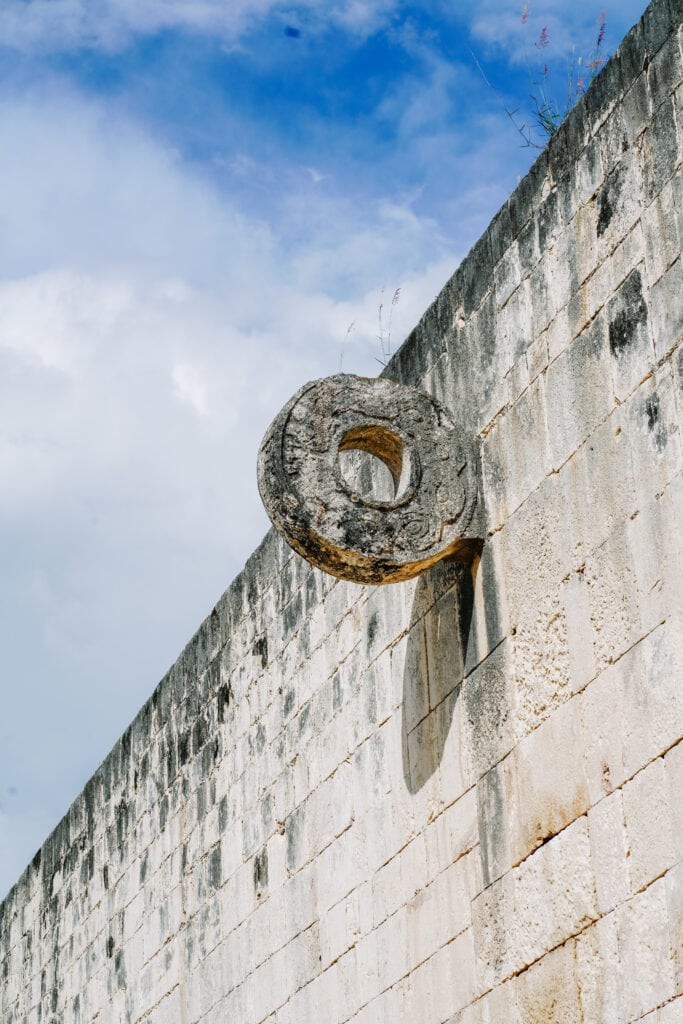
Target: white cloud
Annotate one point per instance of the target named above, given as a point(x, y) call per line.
point(62, 25)
point(149, 331)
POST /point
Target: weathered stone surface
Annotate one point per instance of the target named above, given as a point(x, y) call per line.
point(456, 800)
point(370, 538)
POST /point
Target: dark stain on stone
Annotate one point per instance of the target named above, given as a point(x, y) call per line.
point(210, 756)
point(88, 867)
point(260, 650)
point(491, 814)
point(291, 616)
point(223, 696)
point(303, 717)
point(373, 623)
point(293, 836)
point(608, 199)
point(201, 802)
point(105, 877)
point(215, 872)
point(121, 822)
point(337, 694)
point(290, 697)
point(261, 871)
point(486, 705)
point(184, 748)
point(110, 947)
point(260, 738)
point(200, 734)
point(214, 628)
point(163, 812)
point(654, 424)
point(144, 864)
point(120, 968)
point(223, 814)
point(627, 315)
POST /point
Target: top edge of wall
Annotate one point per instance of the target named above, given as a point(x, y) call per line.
point(464, 291)
point(462, 294)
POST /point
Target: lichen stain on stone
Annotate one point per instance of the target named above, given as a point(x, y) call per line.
point(654, 423)
point(261, 871)
point(608, 199)
point(628, 314)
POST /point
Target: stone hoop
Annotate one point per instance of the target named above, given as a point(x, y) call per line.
point(327, 519)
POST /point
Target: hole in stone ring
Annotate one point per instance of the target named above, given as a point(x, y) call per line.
point(373, 464)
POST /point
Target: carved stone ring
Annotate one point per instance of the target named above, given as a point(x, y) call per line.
point(334, 523)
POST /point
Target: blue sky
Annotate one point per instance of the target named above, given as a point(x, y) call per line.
point(199, 197)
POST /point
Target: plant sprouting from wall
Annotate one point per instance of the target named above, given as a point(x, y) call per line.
point(549, 110)
point(384, 325)
point(549, 106)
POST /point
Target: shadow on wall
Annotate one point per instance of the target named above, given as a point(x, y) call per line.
point(434, 667)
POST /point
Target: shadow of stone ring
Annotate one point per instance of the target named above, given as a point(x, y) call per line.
point(365, 534)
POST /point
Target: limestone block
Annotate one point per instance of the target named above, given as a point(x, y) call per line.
point(493, 912)
point(618, 205)
point(514, 322)
point(636, 109)
point(500, 1004)
point(560, 332)
point(613, 598)
point(656, 562)
point(519, 442)
point(615, 718)
point(537, 354)
point(488, 697)
point(672, 1013)
point(543, 306)
point(667, 309)
point(584, 224)
point(446, 625)
point(585, 523)
point(549, 778)
point(541, 660)
point(663, 664)
point(597, 964)
point(630, 342)
point(507, 275)
point(628, 255)
point(662, 240)
point(490, 621)
point(659, 149)
point(554, 894)
point(674, 895)
point(375, 535)
point(576, 604)
point(579, 392)
point(609, 852)
point(646, 974)
point(409, 663)
point(648, 825)
point(548, 991)
point(599, 286)
point(497, 806)
point(453, 976)
point(673, 765)
point(454, 833)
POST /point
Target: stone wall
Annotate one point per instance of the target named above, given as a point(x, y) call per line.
point(455, 799)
